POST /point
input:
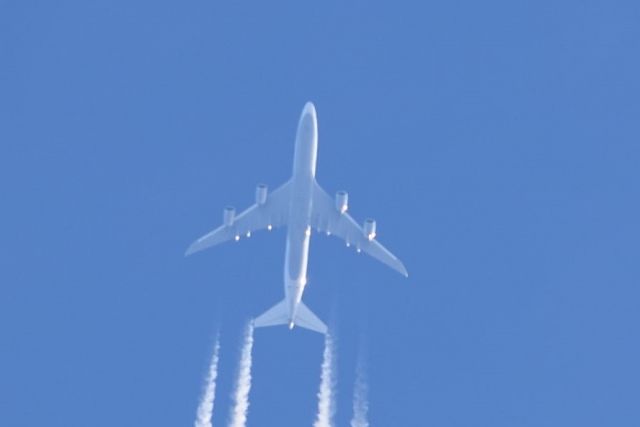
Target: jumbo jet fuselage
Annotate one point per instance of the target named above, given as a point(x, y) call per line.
point(299, 230)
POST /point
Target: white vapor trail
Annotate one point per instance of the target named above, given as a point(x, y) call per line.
point(360, 397)
point(243, 384)
point(205, 408)
point(326, 404)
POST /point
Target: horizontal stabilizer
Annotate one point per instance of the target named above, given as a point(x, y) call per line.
point(276, 315)
point(306, 319)
point(279, 315)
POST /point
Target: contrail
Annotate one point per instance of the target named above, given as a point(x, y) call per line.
point(243, 384)
point(326, 404)
point(205, 408)
point(360, 396)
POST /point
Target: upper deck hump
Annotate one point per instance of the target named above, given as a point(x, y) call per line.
point(306, 147)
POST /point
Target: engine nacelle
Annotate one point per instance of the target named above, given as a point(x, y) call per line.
point(369, 228)
point(228, 215)
point(261, 194)
point(342, 201)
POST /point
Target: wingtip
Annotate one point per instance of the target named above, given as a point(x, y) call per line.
point(189, 251)
point(403, 270)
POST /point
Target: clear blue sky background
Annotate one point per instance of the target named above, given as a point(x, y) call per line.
point(497, 143)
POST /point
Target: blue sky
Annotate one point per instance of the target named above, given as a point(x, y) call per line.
point(496, 143)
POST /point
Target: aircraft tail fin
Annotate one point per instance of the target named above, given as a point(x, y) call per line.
point(279, 315)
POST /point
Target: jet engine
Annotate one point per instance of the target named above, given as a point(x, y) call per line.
point(342, 201)
point(261, 194)
point(369, 228)
point(228, 215)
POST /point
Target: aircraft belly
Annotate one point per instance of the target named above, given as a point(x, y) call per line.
point(298, 258)
point(298, 235)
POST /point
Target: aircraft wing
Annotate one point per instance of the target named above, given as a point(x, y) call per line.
point(272, 213)
point(325, 217)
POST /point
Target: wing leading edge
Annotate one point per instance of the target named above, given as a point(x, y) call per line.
point(270, 214)
point(325, 217)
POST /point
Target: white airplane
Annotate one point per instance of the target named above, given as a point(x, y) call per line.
point(300, 204)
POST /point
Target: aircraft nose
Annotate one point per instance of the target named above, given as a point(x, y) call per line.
point(309, 108)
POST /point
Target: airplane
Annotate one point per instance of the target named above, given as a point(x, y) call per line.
point(300, 204)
